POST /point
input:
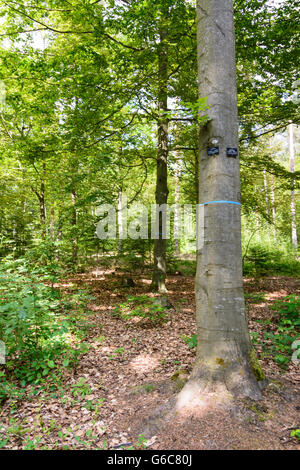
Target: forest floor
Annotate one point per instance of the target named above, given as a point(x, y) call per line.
point(131, 368)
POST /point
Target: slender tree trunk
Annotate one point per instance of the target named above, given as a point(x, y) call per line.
point(52, 216)
point(42, 203)
point(120, 222)
point(273, 206)
point(266, 193)
point(267, 198)
point(293, 202)
point(161, 194)
point(223, 366)
point(74, 229)
point(59, 230)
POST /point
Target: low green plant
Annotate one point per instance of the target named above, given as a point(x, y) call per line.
point(259, 256)
point(31, 324)
point(3, 442)
point(255, 297)
point(31, 444)
point(296, 433)
point(277, 343)
point(117, 352)
point(100, 339)
point(141, 443)
point(264, 259)
point(182, 267)
point(191, 341)
point(149, 388)
point(143, 307)
point(95, 406)
point(80, 388)
point(9, 389)
point(41, 327)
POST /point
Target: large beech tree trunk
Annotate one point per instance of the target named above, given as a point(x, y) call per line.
point(161, 194)
point(224, 362)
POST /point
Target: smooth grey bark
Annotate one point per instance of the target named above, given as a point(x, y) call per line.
point(293, 201)
point(196, 152)
point(223, 365)
point(161, 193)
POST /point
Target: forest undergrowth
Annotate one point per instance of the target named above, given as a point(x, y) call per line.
point(106, 352)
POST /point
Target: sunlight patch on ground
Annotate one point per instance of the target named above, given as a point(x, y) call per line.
point(61, 284)
point(108, 349)
point(144, 363)
point(104, 308)
point(260, 305)
point(100, 273)
point(276, 295)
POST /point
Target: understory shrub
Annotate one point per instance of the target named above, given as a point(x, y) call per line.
point(280, 334)
point(260, 260)
point(143, 307)
point(34, 325)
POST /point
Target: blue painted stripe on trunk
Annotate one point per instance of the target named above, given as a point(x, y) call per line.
point(221, 202)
